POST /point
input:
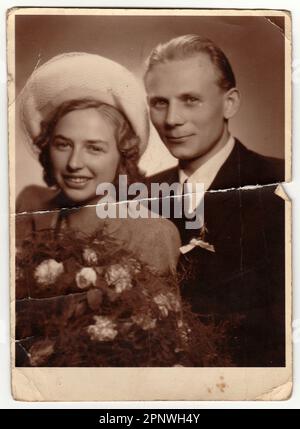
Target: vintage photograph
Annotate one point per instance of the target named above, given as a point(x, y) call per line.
point(149, 227)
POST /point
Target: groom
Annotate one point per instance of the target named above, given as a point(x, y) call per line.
point(234, 274)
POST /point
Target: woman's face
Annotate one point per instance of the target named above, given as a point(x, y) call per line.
point(83, 153)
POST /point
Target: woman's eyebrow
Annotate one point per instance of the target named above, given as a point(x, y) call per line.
point(97, 141)
point(59, 136)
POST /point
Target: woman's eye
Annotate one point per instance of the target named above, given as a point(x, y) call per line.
point(61, 145)
point(95, 149)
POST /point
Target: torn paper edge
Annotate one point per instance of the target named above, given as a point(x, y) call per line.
point(85, 384)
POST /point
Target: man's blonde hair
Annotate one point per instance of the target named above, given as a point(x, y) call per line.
point(188, 46)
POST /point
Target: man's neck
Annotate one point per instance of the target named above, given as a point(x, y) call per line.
point(190, 166)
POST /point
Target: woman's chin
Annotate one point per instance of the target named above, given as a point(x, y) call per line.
point(79, 197)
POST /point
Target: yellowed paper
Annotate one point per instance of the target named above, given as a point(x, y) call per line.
point(263, 124)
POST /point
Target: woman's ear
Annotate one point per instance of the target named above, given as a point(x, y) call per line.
point(232, 101)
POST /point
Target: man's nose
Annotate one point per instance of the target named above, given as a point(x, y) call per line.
point(75, 161)
point(174, 116)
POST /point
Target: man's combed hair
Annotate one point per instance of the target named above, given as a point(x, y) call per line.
point(188, 46)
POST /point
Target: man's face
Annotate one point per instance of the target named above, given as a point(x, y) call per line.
point(187, 106)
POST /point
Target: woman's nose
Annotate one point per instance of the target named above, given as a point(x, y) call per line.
point(174, 116)
point(75, 161)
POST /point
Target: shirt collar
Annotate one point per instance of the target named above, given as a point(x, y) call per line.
point(207, 172)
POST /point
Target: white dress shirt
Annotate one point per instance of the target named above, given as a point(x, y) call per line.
point(205, 174)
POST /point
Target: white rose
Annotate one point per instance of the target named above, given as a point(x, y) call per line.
point(90, 256)
point(118, 276)
point(48, 271)
point(86, 277)
point(167, 302)
point(145, 321)
point(103, 330)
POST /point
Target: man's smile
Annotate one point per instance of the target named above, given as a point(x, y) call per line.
point(178, 139)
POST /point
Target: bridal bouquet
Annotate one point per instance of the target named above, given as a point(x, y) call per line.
point(83, 301)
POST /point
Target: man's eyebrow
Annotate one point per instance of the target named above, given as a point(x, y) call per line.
point(189, 94)
point(182, 95)
point(157, 98)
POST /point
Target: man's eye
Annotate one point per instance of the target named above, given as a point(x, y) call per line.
point(159, 104)
point(192, 100)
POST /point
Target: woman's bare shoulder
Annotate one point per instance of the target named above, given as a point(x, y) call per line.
point(35, 198)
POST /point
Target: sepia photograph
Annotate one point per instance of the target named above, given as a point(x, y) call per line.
point(150, 235)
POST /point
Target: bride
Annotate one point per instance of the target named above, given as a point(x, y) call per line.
point(87, 121)
point(88, 280)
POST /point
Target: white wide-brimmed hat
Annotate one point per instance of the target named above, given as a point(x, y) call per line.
point(78, 75)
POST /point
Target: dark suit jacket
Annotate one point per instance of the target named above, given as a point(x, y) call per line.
point(243, 282)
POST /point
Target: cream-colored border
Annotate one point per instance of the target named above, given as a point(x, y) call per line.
point(105, 384)
point(12, 175)
point(149, 12)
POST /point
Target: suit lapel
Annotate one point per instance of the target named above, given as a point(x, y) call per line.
point(220, 206)
point(229, 174)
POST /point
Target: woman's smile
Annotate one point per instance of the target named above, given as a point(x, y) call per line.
point(76, 182)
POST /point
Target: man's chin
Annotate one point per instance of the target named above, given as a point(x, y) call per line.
point(183, 155)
